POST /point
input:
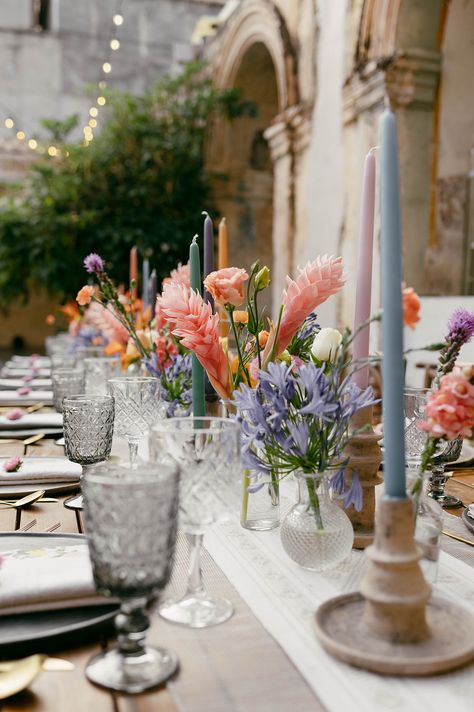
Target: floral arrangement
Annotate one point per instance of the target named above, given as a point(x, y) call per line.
point(450, 407)
point(13, 464)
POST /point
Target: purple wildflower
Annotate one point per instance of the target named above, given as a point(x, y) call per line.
point(94, 263)
point(176, 382)
point(337, 482)
point(460, 332)
point(354, 494)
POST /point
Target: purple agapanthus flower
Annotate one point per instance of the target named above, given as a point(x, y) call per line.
point(354, 494)
point(176, 382)
point(94, 263)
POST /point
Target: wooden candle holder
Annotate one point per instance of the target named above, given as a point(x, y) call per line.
point(365, 456)
point(393, 626)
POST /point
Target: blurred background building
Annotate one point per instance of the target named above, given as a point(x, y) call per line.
point(318, 72)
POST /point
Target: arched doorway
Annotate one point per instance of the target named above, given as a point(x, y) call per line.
point(244, 189)
point(255, 155)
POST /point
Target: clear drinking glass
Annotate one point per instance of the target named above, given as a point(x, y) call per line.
point(98, 371)
point(415, 401)
point(208, 452)
point(66, 382)
point(138, 406)
point(131, 521)
point(62, 360)
point(88, 422)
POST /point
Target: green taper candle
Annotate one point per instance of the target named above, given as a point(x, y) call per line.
point(199, 406)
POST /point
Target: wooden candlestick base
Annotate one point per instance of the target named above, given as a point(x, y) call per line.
point(391, 627)
point(365, 456)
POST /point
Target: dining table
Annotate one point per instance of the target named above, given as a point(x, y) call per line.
point(242, 665)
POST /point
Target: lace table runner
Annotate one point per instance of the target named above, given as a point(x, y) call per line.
point(284, 597)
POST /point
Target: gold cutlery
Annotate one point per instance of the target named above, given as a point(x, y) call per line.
point(28, 441)
point(458, 538)
point(16, 675)
point(25, 501)
point(35, 407)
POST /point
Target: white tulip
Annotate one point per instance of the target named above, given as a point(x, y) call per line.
point(325, 344)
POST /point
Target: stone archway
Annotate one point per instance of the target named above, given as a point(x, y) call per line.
point(254, 155)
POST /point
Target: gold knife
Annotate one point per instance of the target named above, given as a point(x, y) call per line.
point(33, 439)
point(459, 538)
point(35, 407)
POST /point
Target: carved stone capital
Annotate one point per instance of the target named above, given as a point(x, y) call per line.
point(409, 79)
point(290, 132)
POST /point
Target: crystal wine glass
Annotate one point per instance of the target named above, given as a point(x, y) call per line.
point(438, 478)
point(98, 370)
point(414, 403)
point(208, 451)
point(66, 382)
point(131, 549)
point(138, 405)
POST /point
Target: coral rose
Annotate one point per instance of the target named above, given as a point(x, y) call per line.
point(227, 285)
point(85, 295)
point(450, 410)
point(411, 306)
point(240, 317)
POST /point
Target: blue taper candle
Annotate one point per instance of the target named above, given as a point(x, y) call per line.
point(153, 292)
point(393, 373)
point(199, 405)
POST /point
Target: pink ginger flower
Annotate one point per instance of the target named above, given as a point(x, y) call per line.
point(14, 414)
point(180, 275)
point(450, 409)
point(227, 285)
point(13, 464)
point(198, 329)
point(160, 319)
point(103, 318)
point(314, 285)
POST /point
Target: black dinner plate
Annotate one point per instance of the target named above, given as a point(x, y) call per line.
point(44, 631)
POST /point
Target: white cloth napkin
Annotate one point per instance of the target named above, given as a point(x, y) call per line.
point(46, 577)
point(35, 470)
point(11, 384)
point(32, 421)
point(7, 372)
point(12, 398)
point(37, 362)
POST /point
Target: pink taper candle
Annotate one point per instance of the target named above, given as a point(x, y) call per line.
point(360, 346)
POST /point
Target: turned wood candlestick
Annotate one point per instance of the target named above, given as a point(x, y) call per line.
point(392, 626)
point(365, 456)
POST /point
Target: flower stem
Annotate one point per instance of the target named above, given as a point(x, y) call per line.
point(239, 353)
point(314, 502)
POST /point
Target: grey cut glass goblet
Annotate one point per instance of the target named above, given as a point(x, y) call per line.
point(415, 438)
point(450, 452)
point(138, 406)
point(208, 452)
point(88, 423)
point(66, 382)
point(131, 520)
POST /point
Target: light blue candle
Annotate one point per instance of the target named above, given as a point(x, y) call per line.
point(199, 405)
point(393, 375)
point(146, 283)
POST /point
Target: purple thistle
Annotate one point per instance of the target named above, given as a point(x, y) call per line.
point(94, 263)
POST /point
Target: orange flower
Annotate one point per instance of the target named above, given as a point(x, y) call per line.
point(85, 295)
point(411, 306)
point(263, 338)
point(50, 319)
point(114, 347)
point(241, 317)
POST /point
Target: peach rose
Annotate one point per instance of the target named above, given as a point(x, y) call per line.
point(85, 295)
point(263, 338)
point(227, 285)
point(411, 306)
point(240, 317)
point(450, 410)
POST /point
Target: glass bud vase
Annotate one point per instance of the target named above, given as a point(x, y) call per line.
point(316, 533)
point(428, 528)
point(260, 510)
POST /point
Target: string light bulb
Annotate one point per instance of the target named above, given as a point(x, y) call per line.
point(118, 20)
point(101, 100)
point(52, 151)
point(93, 111)
point(32, 144)
point(114, 45)
point(102, 84)
point(20, 135)
point(9, 123)
point(92, 123)
point(107, 67)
